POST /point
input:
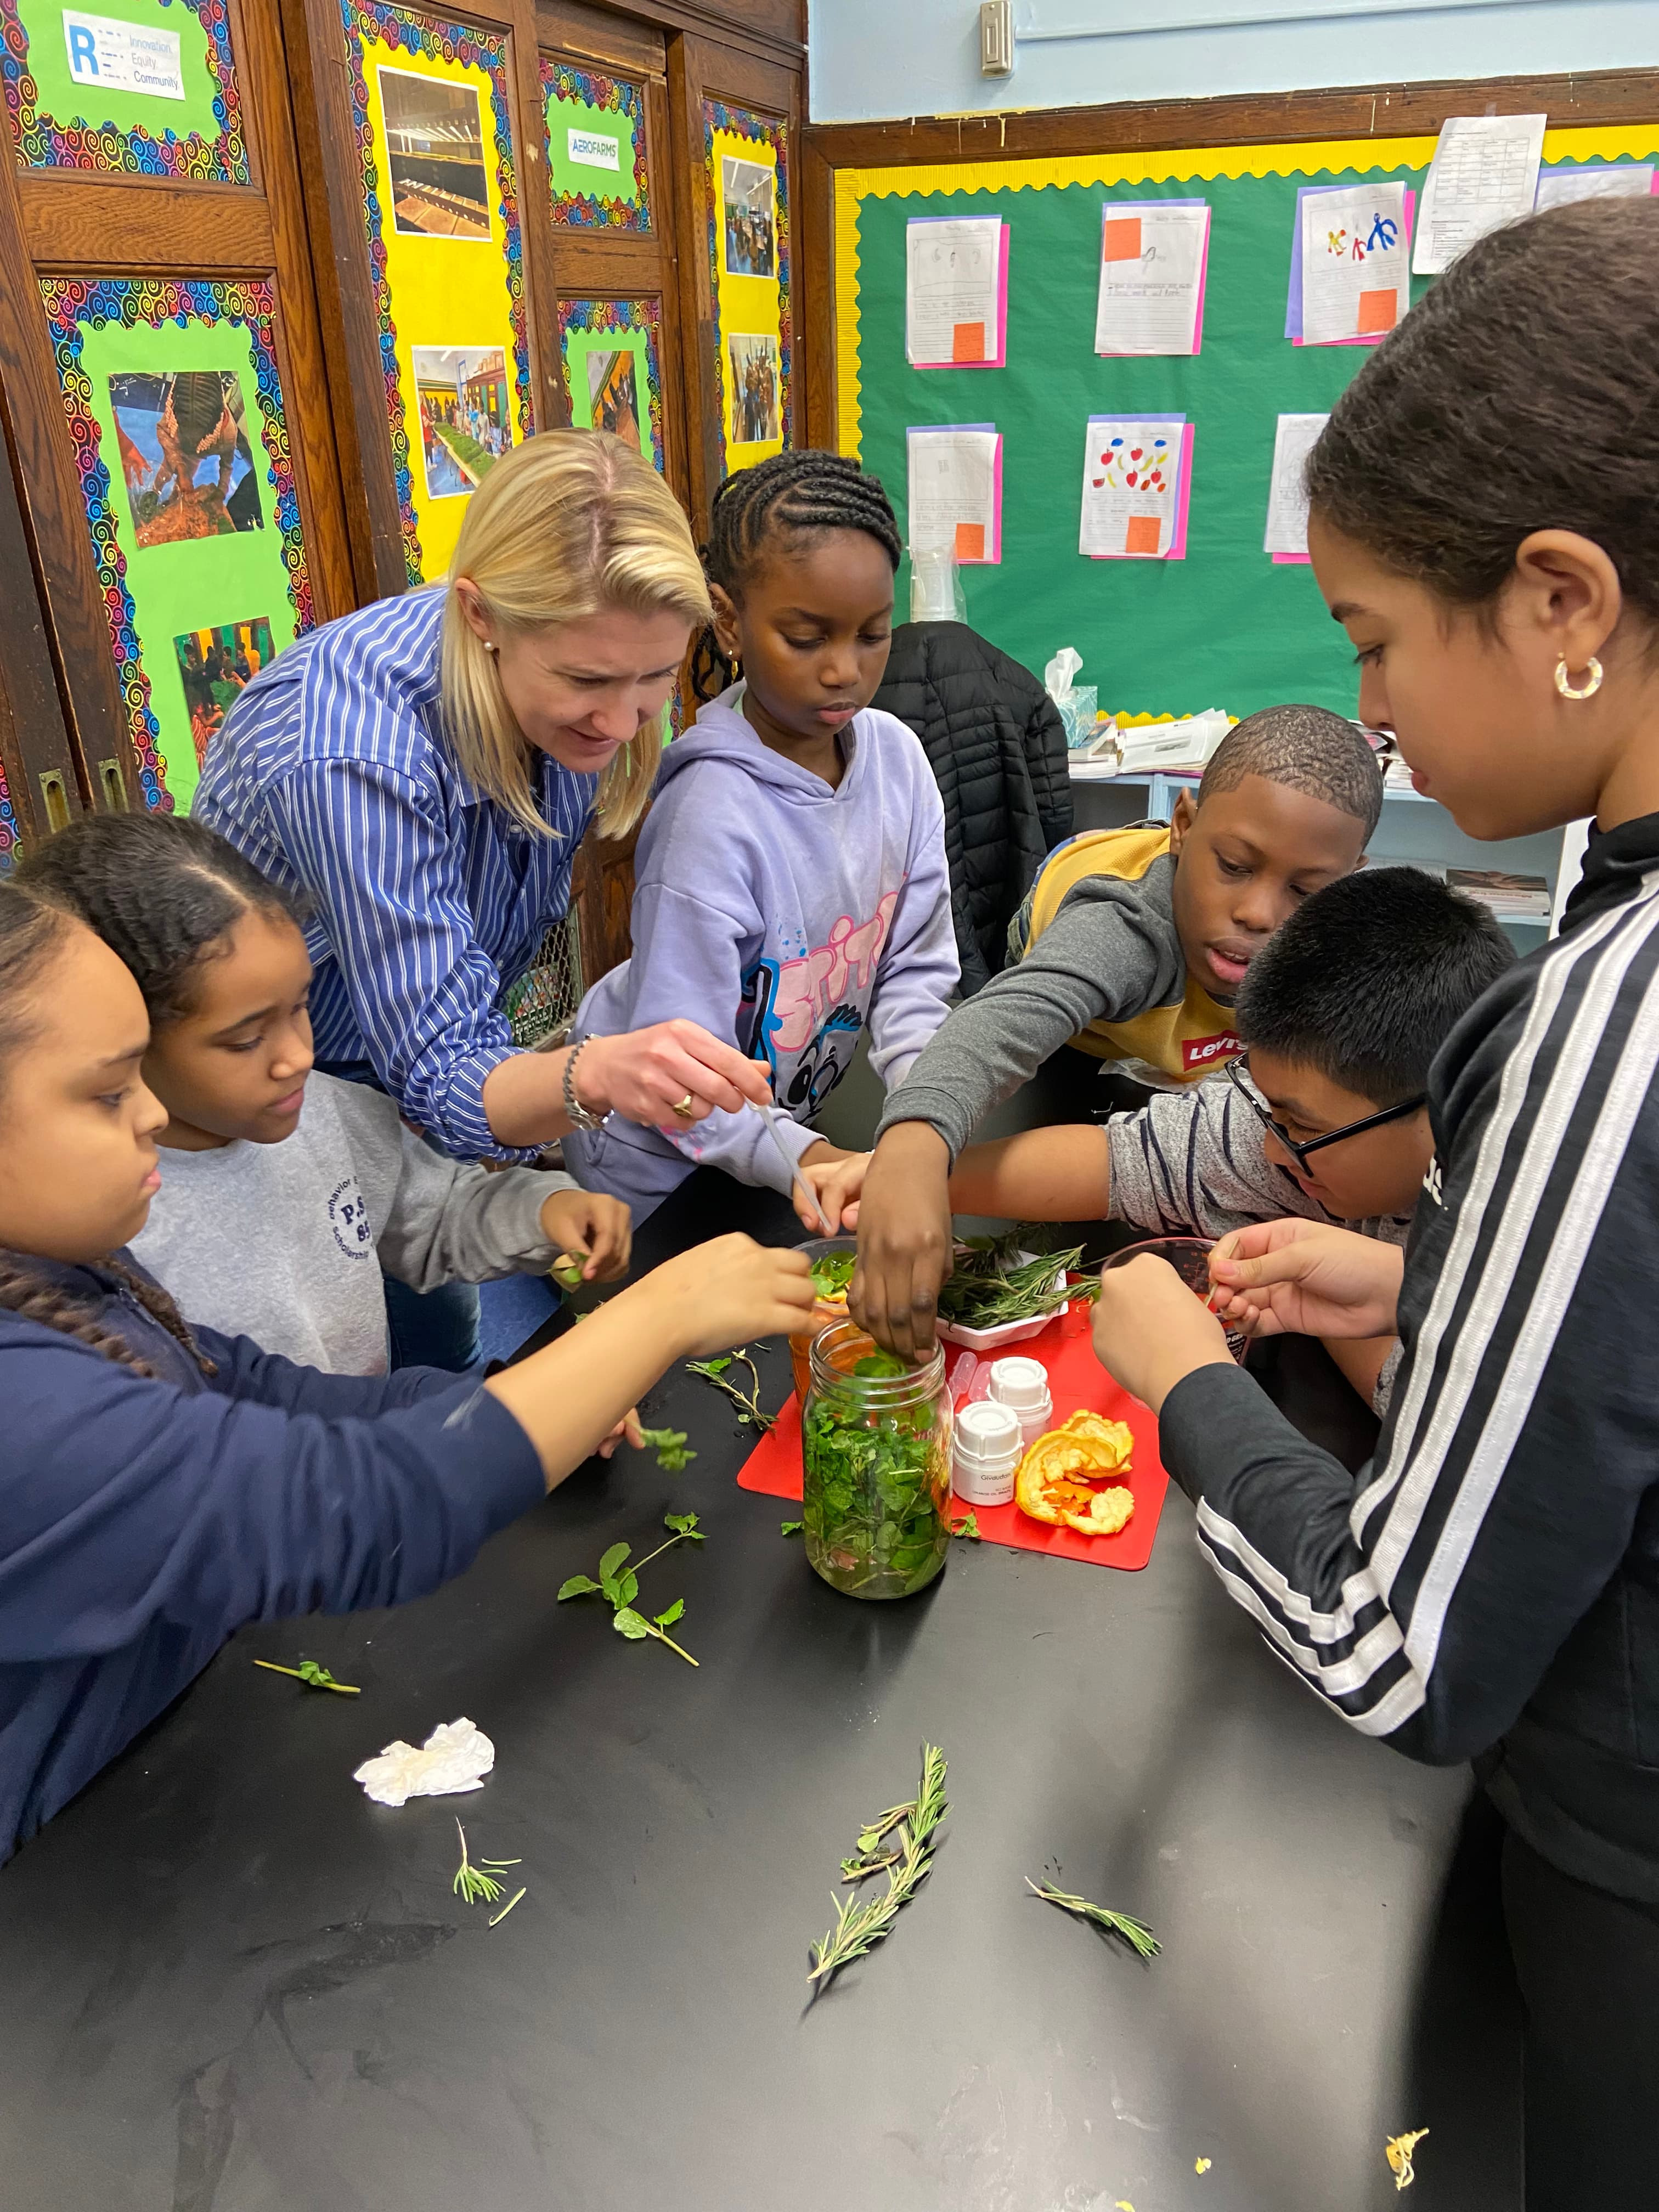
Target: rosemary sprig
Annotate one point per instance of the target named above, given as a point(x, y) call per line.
point(619, 1584)
point(314, 1676)
point(475, 1886)
point(747, 1401)
point(1140, 1937)
point(669, 1445)
point(860, 1926)
point(990, 1284)
point(496, 1918)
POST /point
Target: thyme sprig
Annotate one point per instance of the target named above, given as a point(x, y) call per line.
point(1140, 1937)
point(747, 1401)
point(619, 1585)
point(861, 1924)
point(314, 1676)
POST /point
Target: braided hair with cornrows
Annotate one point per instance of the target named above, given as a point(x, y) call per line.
point(34, 936)
point(788, 497)
point(162, 891)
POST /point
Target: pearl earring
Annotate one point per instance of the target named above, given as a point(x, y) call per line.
point(1590, 686)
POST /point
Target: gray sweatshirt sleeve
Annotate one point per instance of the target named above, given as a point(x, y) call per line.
point(438, 1220)
point(1193, 1160)
point(1109, 953)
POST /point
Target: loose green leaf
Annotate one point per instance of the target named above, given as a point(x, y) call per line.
point(881, 1366)
point(627, 1589)
point(629, 1624)
point(1140, 1937)
point(710, 1366)
point(611, 1560)
point(669, 1444)
point(967, 1524)
point(860, 1925)
point(832, 1272)
point(578, 1586)
point(684, 1524)
point(567, 1269)
point(791, 1528)
point(667, 1620)
point(314, 1676)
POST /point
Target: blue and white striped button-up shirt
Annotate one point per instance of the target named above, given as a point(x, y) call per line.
point(333, 775)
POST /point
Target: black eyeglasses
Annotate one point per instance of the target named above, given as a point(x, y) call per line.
point(1300, 1153)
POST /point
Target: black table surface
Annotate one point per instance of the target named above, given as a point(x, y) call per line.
point(232, 1983)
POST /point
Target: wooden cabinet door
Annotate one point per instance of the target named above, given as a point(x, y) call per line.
point(162, 372)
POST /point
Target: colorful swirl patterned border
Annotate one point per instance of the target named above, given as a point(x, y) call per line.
point(8, 826)
point(45, 144)
point(596, 316)
point(446, 42)
point(74, 305)
point(717, 116)
point(612, 95)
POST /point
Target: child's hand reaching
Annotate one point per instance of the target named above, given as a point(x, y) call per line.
point(1150, 1331)
point(588, 1226)
point(837, 1184)
point(727, 1291)
point(626, 1430)
point(1307, 1278)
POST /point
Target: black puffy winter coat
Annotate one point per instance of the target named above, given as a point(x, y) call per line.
point(997, 747)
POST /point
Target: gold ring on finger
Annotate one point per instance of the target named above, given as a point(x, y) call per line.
point(685, 1108)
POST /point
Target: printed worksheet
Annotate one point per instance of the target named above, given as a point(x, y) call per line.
point(1135, 477)
point(956, 291)
point(1597, 180)
point(955, 491)
point(1355, 280)
point(1152, 260)
point(1287, 503)
point(1484, 172)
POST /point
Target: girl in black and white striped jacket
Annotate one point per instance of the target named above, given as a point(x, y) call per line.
point(1485, 507)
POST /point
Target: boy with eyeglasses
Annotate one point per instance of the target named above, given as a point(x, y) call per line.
point(1339, 1016)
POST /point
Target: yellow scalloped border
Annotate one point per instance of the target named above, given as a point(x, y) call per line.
point(1303, 157)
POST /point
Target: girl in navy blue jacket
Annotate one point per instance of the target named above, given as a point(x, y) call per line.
point(163, 1486)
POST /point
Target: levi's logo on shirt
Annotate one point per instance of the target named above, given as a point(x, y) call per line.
point(1200, 1052)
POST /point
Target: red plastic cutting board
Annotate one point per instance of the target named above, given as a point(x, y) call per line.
point(1076, 1379)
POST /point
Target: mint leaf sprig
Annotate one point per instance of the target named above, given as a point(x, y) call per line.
point(860, 1926)
point(619, 1585)
point(747, 1401)
point(314, 1676)
point(1140, 1938)
point(669, 1445)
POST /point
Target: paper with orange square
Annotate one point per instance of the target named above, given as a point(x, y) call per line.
point(1137, 486)
point(1152, 266)
point(955, 292)
point(1356, 262)
point(955, 472)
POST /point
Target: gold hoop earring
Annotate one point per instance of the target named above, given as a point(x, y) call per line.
point(1590, 686)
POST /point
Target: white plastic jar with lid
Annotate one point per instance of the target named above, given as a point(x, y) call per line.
point(986, 1450)
point(1022, 1385)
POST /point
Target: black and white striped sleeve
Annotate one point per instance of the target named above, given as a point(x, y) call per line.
point(1426, 1601)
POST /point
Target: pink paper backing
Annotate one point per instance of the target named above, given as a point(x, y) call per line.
point(999, 359)
point(1183, 501)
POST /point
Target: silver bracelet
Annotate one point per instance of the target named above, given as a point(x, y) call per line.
point(579, 1116)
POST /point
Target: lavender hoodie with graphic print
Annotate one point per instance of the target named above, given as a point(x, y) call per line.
point(785, 917)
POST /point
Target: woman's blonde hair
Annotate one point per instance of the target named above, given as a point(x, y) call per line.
point(565, 525)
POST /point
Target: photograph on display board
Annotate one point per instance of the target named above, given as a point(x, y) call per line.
point(462, 393)
point(185, 455)
point(755, 393)
point(216, 665)
point(748, 195)
point(613, 393)
point(435, 152)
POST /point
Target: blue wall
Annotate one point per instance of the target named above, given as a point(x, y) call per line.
point(873, 58)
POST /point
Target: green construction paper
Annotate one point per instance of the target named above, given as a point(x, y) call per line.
point(579, 344)
point(1223, 627)
point(202, 582)
point(58, 95)
point(576, 177)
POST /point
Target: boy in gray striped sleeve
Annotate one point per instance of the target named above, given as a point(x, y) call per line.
point(1340, 1015)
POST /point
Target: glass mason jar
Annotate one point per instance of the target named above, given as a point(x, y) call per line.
point(875, 1451)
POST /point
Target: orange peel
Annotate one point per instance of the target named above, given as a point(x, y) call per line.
point(1054, 1481)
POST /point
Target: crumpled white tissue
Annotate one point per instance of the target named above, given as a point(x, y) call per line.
point(455, 1757)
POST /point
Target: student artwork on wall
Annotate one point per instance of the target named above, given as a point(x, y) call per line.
point(432, 106)
point(1350, 263)
point(612, 368)
point(149, 92)
point(955, 292)
point(1136, 484)
point(7, 827)
point(182, 441)
point(595, 149)
point(1286, 534)
point(954, 478)
point(746, 175)
point(1153, 255)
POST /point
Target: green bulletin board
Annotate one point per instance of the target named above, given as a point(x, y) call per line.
point(1225, 626)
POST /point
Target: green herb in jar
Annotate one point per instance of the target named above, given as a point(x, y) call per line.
point(876, 1488)
point(832, 1272)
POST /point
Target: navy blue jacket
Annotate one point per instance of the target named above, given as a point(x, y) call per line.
point(142, 1522)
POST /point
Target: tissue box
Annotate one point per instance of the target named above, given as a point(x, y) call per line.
point(1077, 710)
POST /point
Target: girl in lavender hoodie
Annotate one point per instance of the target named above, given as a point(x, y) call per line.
point(791, 886)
